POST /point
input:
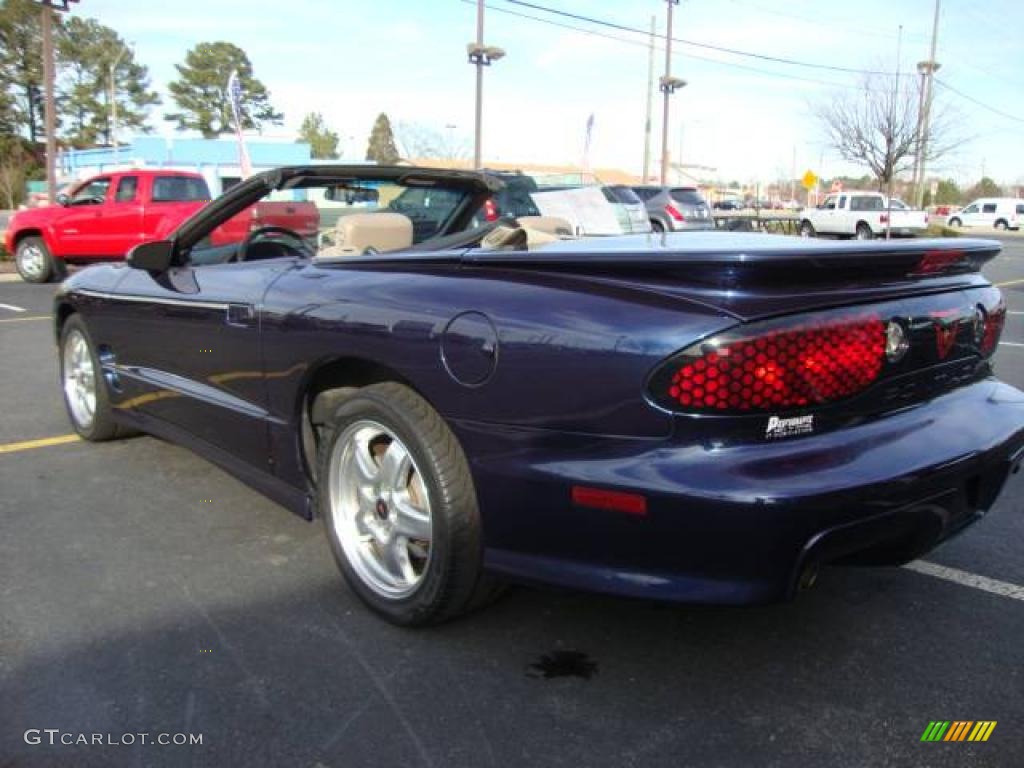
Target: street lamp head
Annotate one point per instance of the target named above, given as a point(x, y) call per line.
point(483, 54)
point(669, 84)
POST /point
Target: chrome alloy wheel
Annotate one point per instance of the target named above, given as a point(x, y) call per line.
point(31, 260)
point(79, 379)
point(380, 509)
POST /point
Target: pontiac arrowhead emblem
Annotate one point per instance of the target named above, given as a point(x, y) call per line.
point(945, 335)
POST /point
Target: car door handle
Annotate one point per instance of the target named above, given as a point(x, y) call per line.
point(240, 314)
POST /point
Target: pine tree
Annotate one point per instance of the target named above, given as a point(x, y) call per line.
point(21, 67)
point(201, 91)
point(381, 148)
point(86, 50)
point(323, 142)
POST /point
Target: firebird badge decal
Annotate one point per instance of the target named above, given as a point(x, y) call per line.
point(798, 425)
point(945, 335)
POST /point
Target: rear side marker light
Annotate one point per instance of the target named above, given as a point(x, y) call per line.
point(490, 210)
point(674, 212)
point(792, 366)
point(614, 501)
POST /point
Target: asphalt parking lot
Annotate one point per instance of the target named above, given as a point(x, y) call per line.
point(142, 590)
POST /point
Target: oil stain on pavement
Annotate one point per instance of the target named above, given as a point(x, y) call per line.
point(563, 664)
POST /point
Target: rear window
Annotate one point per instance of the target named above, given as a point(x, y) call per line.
point(179, 189)
point(866, 203)
point(1020, 210)
point(684, 195)
point(621, 194)
point(515, 200)
point(645, 193)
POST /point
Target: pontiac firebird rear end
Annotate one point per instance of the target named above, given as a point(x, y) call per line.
point(701, 417)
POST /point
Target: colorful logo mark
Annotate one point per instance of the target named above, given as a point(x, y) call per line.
point(958, 730)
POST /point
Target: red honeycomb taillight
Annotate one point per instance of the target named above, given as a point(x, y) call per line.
point(781, 367)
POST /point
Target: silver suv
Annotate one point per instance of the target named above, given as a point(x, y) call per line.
point(674, 209)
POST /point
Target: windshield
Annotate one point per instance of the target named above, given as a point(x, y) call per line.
point(621, 194)
point(336, 217)
point(687, 196)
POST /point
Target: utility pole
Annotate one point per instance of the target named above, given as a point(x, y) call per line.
point(668, 85)
point(650, 101)
point(51, 117)
point(931, 67)
point(480, 56)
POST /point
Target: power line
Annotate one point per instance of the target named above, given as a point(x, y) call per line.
point(695, 56)
point(707, 46)
point(981, 104)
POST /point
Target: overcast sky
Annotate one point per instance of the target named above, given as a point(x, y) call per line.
point(351, 59)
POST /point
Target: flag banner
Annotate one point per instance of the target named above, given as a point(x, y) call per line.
point(235, 99)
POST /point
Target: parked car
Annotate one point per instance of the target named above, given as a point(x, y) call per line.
point(863, 215)
point(514, 199)
point(673, 209)
point(629, 208)
point(990, 212)
point(630, 213)
point(102, 218)
point(642, 416)
point(728, 204)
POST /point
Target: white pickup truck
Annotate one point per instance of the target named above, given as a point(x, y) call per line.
point(863, 215)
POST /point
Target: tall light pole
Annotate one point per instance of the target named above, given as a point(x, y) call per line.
point(650, 101)
point(668, 86)
point(47, 9)
point(113, 101)
point(50, 119)
point(480, 56)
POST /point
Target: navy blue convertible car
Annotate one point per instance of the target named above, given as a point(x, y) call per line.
point(702, 417)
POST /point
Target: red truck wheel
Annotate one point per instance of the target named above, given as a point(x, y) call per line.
point(35, 263)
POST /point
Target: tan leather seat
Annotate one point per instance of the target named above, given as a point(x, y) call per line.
point(375, 232)
point(552, 225)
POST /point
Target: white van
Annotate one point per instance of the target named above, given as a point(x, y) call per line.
point(993, 212)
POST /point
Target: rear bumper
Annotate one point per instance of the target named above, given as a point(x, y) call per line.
point(739, 524)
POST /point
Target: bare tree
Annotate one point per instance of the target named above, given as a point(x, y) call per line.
point(876, 126)
point(417, 141)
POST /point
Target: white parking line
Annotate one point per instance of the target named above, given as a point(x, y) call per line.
point(985, 584)
point(1015, 313)
point(12, 308)
point(1010, 344)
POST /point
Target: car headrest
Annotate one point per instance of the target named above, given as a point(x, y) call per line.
point(553, 225)
point(359, 232)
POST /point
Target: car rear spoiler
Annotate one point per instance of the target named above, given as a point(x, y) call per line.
point(731, 257)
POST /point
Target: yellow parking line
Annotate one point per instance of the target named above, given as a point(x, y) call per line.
point(24, 319)
point(43, 442)
point(1010, 282)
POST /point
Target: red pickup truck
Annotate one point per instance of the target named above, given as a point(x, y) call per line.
point(102, 218)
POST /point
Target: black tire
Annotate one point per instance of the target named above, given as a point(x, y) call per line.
point(955, 222)
point(102, 427)
point(657, 226)
point(864, 232)
point(807, 229)
point(1000, 224)
point(452, 582)
point(35, 263)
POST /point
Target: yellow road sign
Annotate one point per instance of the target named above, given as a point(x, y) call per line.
point(810, 180)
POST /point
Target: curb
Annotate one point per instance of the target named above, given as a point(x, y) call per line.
point(10, 277)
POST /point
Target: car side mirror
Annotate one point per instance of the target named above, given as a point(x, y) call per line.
point(152, 257)
point(63, 199)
